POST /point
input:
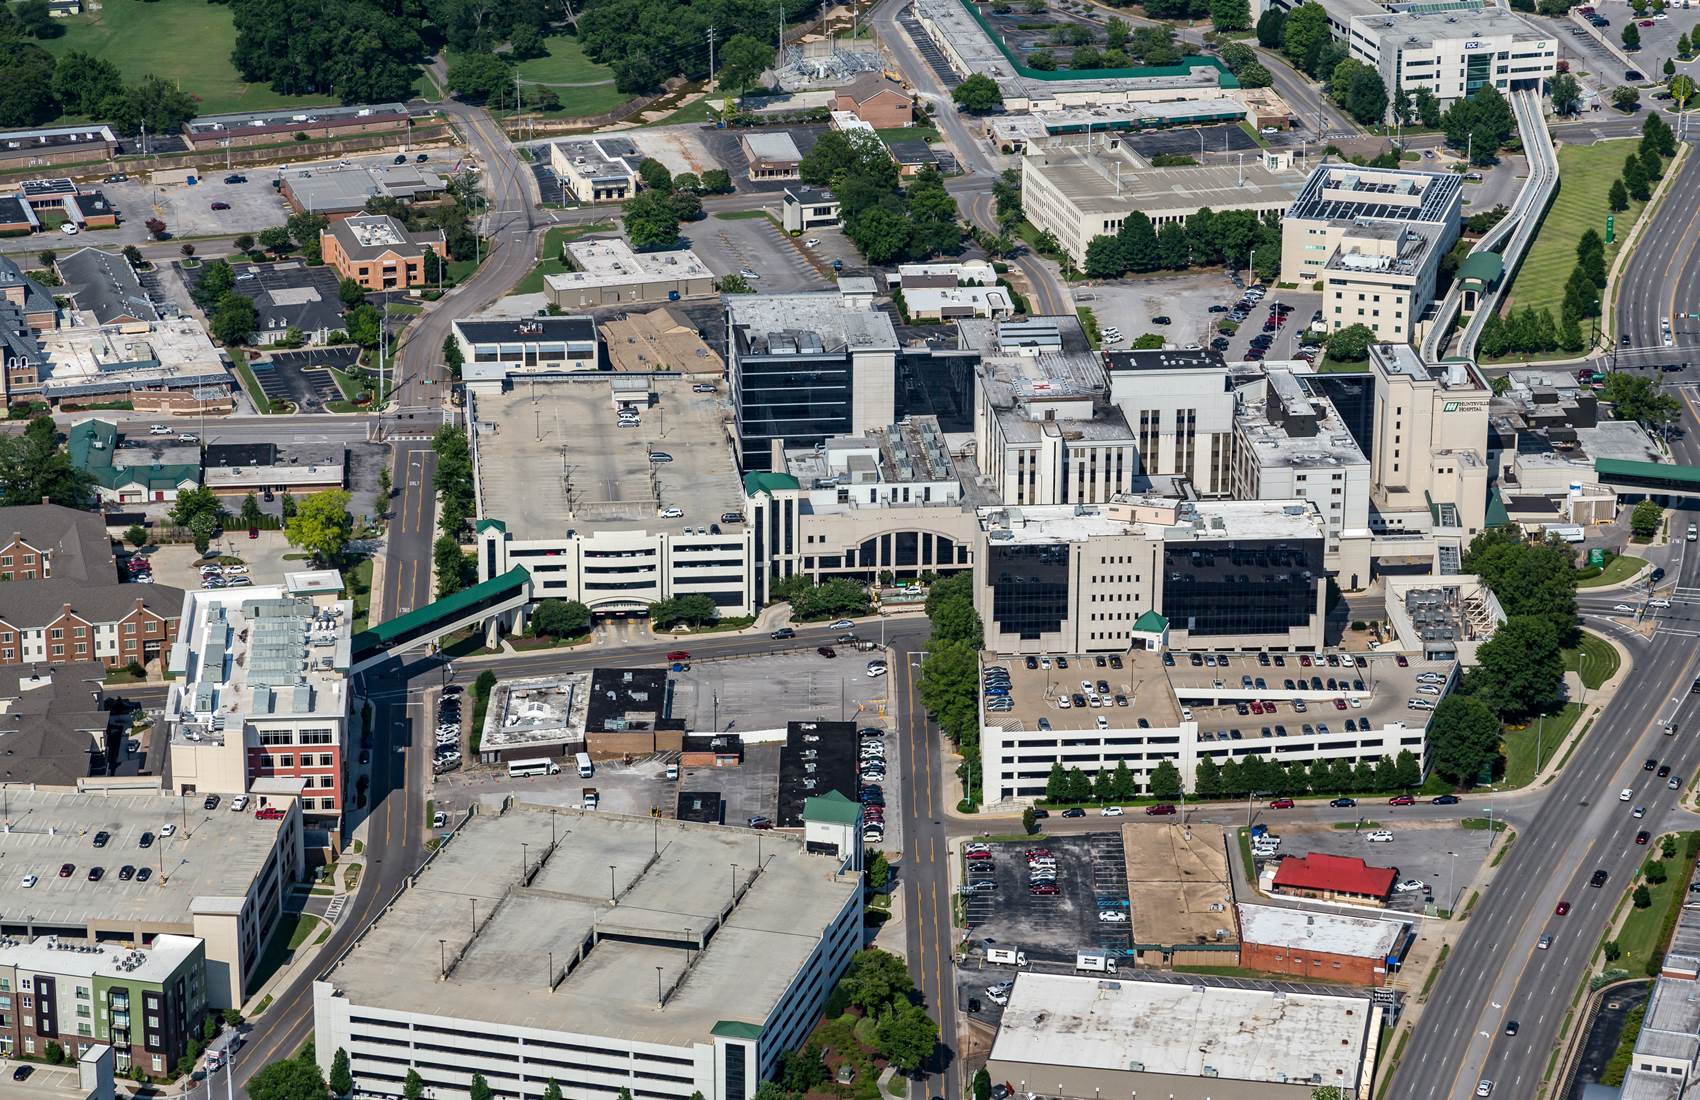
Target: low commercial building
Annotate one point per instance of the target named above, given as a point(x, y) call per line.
point(771, 156)
point(946, 292)
point(218, 876)
point(271, 127)
point(805, 367)
point(334, 191)
point(158, 366)
point(806, 208)
point(290, 296)
point(740, 973)
point(599, 169)
point(260, 693)
point(1081, 187)
point(146, 1003)
point(378, 252)
point(1442, 618)
point(495, 350)
point(133, 470)
point(877, 100)
point(64, 604)
point(1079, 1038)
point(56, 145)
point(1187, 713)
point(660, 340)
point(236, 469)
point(1374, 238)
point(1012, 133)
point(535, 716)
point(606, 272)
point(1323, 946)
point(1224, 575)
point(104, 287)
point(1335, 878)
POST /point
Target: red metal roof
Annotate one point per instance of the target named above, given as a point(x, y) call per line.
point(1336, 874)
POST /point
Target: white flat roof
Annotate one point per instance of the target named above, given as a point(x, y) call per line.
point(1184, 1030)
point(1338, 934)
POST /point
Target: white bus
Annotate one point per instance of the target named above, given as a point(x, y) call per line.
point(585, 768)
point(518, 769)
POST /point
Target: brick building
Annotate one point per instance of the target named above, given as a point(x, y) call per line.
point(1335, 878)
point(1321, 946)
point(64, 602)
point(879, 102)
point(378, 252)
point(270, 127)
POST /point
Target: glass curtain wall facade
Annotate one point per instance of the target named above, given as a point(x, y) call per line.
point(1241, 587)
point(799, 399)
point(1029, 588)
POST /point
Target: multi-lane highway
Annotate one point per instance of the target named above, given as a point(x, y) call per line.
point(1661, 279)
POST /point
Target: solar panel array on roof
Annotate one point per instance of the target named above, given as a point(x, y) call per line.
point(1437, 191)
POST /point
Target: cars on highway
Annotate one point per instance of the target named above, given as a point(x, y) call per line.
point(1401, 800)
point(1343, 803)
point(1544, 942)
point(1110, 811)
point(1563, 908)
point(1599, 878)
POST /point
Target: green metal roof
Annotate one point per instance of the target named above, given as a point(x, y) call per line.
point(761, 481)
point(1662, 471)
point(445, 610)
point(490, 525)
point(93, 444)
point(1497, 514)
point(832, 807)
point(1484, 268)
point(737, 1029)
point(1224, 78)
point(1151, 623)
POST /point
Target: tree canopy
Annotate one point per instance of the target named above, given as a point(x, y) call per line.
point(322, 525)
point(34, 467)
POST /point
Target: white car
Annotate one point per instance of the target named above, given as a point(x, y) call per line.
point(1624, 609)
point(841, 624)
point(1103, 723)
point(1626, 794)
point(812, 242)
point(876, 672)
point(1110, 811)
point(1639, 811)
point(235, 570)
point(70, 229)
point(168, 829)
point(1380, 836)
point(1270, 130)
point(998, 998)
point(1112, 916)
point(1410, 885)
point(239, 803)
point(673, 513)
point(1484, 1087)
point(28, 881)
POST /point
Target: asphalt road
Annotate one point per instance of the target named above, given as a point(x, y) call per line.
point(1662, 278)
point(406, 582)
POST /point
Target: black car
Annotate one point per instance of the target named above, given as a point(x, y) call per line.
point(96, 874)
point(1032, 662)
point(1650, 765)
point(1075, 812)
point(143, 874)
point(212, 802)
point(126, 873)
point(1343, 803)
point(145, 841)
point(1445, 800)
point(1218, 309)
point(22, 1073)
point(1160, 319)
point(1038, 814)
point(1511, 1027)
point(1220, 343)
point(1658, 575)
point(101, 838)
point(1599, 879)
point(1664, 770)
point(236, 179)
point(401, 158)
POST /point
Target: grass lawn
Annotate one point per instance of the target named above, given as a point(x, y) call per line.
point(284, 940)
point(1330, 366)
point(1520, 745)
point(740, 215)
point(552, 264)
point(187, 42)
point(565, 63)
point(360, 590)
point(1646, 930)
point(1617, 570)
point(1601, 660)
point(909, 133)
point(695, 111)
point(249, 382)
point(1585, 174)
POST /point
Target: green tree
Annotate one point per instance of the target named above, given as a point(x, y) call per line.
point(1642, 896)
point(197, 501)
point(551, 1091)
point(1271, 28)
point(1655, 872)
point(949, 686)
point(1359, 89)
point(1351, 344)
point(1528, 578)
point(287, 1079)
point(1566, 94)
point(692, 610)
point(33, 467)
point(907, 1036)
point(1618, 197)
point(1029, 821)
point(655, 175)
point(342, 1078)
point(978, 94)
point(1207, 779)
point(651, 221)
point(1230, 15)
point(1645, 519)
point(802, 1070)
point(322, 526)
point(453, 359)
point(1056, 784)
point(1652, 165)
point(1407, 770)
point(250, 513)
point(687, 181)
point(351, 293)
point(1633, 397)
point(1611, 950)
point(1105, 258)
point(717, 181)
point(1465, 736)
point(480, 1089)
point(1165, 780)
point(742, 61)
point(1079, 786)
point(84, 83)
point(1305, 37)
point(875, 979)
point(482, 77)
point(364, 324)
point(1625, 98)
point(233, 320)
point(982, 1084)
point(136, 536)
point(950, 610)
point(560, 618)
point(450, 564)
point(1631, 36)
point(1137, 240)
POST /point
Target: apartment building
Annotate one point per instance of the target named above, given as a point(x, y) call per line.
point(1374, 238)
point(679, 961)
point(146, 1003)
point(260, 691)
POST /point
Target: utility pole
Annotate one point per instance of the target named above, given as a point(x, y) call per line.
point(779, 54)
point(711, 56)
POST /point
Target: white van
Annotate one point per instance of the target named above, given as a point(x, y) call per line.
point(1006, 956)
point(1094, 964)
point(585, 768)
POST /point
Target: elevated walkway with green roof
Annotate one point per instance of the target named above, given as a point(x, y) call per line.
point(473, 606)
point(1656, 478)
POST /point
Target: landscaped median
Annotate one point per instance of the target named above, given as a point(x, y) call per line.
point(1655, 901)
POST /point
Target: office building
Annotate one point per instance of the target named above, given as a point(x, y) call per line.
point(1079, 578)
point(1186, 712)
point(1453, 49)
point(64, 604)
point(806, 208)
point(146, 1003)
point(237, 469)
point(1083, 186)
point(1374, 238)
point(805, 367)
point(1079, 1038)
point(158, 366)
point(1045, 428)
point(606, 272)
point(771, 155)
point(496, 350)
point(378, 252)
point(1324, 946)
point(131, 470)
point(1180, 405)
point(877, 100)
point(661, 340)
point(104, 287)
point(218, 876)
point(260, 691)
point(339, 191)
point(1289, 443)
point(601, 169)
point(949, 292)
point(271, 127)
point(1430, 442)
point(684, 958)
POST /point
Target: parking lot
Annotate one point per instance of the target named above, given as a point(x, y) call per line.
point(1130, 304)
point(303, 377)
point(730, 245)
point(1304, 305)
point(1091, 878)
point(743, 694)
point(1445, 856)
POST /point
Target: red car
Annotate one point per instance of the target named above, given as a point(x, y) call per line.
point(979, 855)
point(1042, 888)
point(1642, 836)
point(679, 655)
point(1563, 908)
point(1281, 804)
point(1160, 810)
point(1304, 659)
point(1401, 800)
point(1403, 663)
point(1339, 704)
point(1256, 707)
point(66, 870)
point(1646, 22)
point(1038, 853)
